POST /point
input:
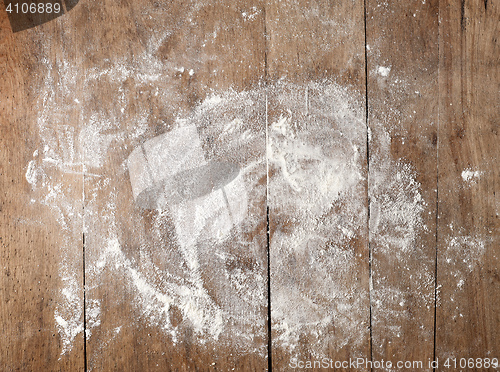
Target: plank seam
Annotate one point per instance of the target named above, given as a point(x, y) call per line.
point(268, 237)
point(84, 310)
point(269, 341)
point(437, 183)
point(83, 269)
point(368, 187)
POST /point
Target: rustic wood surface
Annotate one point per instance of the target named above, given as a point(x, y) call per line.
point(399, 261)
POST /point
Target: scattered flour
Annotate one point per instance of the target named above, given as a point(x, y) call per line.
point(471, 176)
point(196, 304)
point(465, 252)
point(317, 199)
point(463, 256)
point(68, 316)
point(315, 153)
point(384, 71)
point(251, 14)
point(316, 185)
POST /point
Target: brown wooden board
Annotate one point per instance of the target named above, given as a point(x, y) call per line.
point(469, 226)
point(157, 159)
point(175, 276)
point(41, 275)
point(402, 63)
point(316, 151)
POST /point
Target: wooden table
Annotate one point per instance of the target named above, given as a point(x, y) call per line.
point(365, 136)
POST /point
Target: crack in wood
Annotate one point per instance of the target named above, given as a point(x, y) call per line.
point(368, 173)
point(84, 309)
point(462, 15)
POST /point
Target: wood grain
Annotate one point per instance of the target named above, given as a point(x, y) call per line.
point(402, 67)
point(32, 240)
point(318, 311)
point(373, 200)
point(468, 229)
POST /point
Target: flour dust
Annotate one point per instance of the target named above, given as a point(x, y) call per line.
point(308, 166)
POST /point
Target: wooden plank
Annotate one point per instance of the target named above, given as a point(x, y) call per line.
point(469, 225)
point(317, 183)
point(41, 316)
point(402, 55)
point(179, 284)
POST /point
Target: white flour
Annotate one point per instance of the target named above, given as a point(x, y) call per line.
point(315, 150)
point(317, 209)
point(463, 255)
point(470, 177)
